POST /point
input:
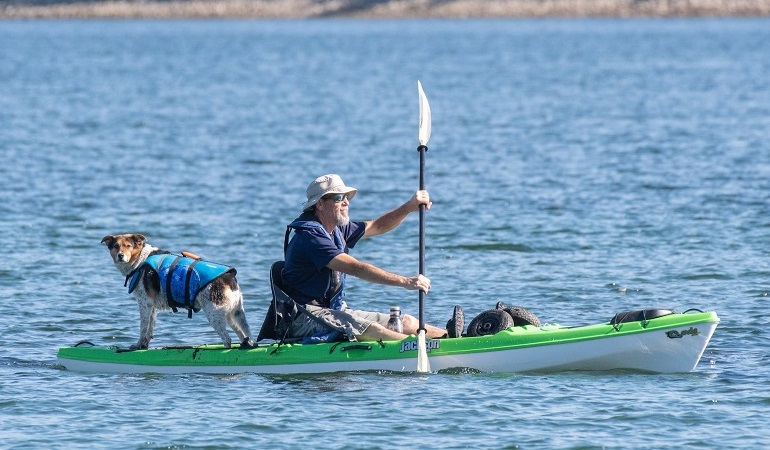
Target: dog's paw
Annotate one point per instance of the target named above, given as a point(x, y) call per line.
point(247, 344)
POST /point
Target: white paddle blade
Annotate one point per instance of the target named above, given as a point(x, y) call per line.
point(422, 353)
point(424, 116)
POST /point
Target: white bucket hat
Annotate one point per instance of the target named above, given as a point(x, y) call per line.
point(326, 184)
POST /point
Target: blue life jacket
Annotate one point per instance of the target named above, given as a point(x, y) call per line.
point(181, 278)
point(338, 298)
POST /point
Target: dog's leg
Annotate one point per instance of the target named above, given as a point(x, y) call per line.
point(236, 317)
point(218, 321)
point(151, 328)
point(146, 325)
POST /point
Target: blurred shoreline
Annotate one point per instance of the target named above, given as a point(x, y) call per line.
point(377, 9)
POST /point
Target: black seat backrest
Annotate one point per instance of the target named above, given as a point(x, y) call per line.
point(283, 310)
point(278, 304)
point(276, 279)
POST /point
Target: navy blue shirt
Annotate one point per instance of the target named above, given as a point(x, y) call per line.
point(309, 251)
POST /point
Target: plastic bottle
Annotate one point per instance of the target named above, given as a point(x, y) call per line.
point(395, 323)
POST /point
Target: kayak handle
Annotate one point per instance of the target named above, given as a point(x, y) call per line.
point(356, 347)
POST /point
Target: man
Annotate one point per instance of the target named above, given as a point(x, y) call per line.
point(317, 261)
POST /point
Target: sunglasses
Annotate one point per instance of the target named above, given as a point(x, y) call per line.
point(337, 197)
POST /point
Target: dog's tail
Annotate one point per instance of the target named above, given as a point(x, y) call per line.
point(190, 255)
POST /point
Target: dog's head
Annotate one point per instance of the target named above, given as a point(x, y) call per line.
point(124, 248)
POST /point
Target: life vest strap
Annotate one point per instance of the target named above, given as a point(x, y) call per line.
point(169, 297)
point(190, 301)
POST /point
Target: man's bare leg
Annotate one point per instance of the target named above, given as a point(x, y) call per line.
point(375, 332)
point(411, 324)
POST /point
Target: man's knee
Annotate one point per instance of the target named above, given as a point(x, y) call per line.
point(410, 322)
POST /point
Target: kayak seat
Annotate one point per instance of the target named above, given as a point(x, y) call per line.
point(282, 310)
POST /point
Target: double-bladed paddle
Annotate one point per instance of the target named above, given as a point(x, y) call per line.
point(424, 137)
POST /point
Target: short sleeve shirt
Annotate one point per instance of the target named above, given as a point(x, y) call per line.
point(309, 251)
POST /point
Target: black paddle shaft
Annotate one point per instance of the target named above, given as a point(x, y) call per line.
point(422, 149)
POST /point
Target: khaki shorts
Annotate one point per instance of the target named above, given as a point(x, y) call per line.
point(349, 321)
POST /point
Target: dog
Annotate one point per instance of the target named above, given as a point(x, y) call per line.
point(220, 298)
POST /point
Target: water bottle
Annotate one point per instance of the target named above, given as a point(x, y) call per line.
point(395, 323)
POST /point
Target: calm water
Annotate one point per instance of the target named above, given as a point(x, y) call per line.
point(577, 168)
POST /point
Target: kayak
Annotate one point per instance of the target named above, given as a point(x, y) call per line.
point(670, 343)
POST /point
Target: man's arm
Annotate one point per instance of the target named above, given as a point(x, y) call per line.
point(392, 219)
point(365, 271)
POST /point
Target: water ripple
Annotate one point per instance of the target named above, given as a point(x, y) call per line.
point(577, 168)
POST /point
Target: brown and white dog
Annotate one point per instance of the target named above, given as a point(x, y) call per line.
point(221, 300)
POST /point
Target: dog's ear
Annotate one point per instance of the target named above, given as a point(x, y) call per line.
point(108, 240)
point(138, 239)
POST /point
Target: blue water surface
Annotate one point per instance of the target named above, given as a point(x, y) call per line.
point(577, 168)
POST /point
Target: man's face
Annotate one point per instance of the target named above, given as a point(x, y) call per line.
point(334, 207)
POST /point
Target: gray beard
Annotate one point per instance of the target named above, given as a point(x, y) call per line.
point(342, 220)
